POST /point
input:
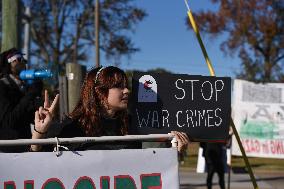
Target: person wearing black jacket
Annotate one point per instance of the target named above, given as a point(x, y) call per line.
point(17, 101)
point(101, 111)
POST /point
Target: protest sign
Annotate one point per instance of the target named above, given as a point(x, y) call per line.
point(105, 169)
point(197, 105)
point(258, 113)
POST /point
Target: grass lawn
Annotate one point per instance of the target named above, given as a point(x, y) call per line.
point(257, 164)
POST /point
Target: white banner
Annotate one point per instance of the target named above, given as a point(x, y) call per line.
point(258, 113)
point(113, 169)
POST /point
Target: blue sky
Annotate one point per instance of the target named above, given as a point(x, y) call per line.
point(165, 42)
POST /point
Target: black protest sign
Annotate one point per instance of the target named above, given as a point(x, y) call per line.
point(197, 105)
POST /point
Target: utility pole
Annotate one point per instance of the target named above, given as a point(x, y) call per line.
point(11, 24)
point(97, 26)
point(75, 75)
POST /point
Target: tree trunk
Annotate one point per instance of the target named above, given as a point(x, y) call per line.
point(267, 71)
point(11, 24)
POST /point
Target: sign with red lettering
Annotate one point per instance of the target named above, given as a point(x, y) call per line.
point(258, 113)
point(197, 105)
point(105, 169)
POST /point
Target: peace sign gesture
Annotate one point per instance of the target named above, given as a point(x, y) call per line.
point(44, 115)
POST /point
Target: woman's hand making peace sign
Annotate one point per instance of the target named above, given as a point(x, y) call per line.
point(43, 116)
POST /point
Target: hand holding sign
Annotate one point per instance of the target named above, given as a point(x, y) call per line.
point(182, 140)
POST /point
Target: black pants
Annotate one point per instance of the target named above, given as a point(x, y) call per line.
point(212, 167)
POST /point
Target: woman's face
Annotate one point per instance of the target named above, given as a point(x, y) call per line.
point(117, 99)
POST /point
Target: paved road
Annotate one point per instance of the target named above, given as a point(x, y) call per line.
point(191, 180)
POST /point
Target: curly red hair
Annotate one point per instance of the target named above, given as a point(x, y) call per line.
point(93, 99)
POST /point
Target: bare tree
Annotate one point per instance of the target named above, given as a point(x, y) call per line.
point(63, 30)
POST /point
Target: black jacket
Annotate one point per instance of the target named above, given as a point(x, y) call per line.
point(17, 110)
point(110, 127)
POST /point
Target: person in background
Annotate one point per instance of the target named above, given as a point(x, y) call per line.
point(101, 111)
point(17, 101)
point(213, 154)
